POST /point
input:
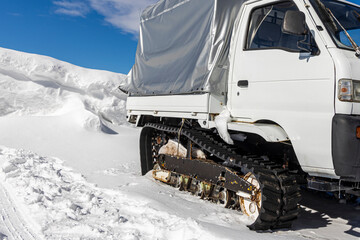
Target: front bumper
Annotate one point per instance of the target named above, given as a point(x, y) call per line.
point(346, 146)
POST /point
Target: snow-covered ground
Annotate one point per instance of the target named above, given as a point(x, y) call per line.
point(64, 175)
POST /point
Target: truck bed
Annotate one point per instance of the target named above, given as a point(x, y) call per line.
point(196, 106)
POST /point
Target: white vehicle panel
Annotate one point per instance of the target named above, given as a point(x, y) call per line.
point(343, 71)
point(270, 132)
point(196, 103)
point(294, 90)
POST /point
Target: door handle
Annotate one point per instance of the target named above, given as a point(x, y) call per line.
point(243, 83)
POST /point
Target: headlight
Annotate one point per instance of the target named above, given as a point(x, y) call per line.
point(356, 85)
point(349, 90)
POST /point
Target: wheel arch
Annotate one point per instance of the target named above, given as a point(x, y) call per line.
point(270, 131)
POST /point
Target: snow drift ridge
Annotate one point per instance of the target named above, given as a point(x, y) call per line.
point(32, 84)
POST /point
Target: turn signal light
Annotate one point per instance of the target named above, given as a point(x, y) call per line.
point(358, 132)
point(349, 90)
point(345, 90)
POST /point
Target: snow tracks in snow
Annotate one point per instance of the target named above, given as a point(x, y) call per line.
point(12, 224)
point(42, 199)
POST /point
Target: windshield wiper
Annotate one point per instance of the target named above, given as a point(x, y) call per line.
point(353, 43)
point(330, 17)
point(357, 15)
point(325, 14)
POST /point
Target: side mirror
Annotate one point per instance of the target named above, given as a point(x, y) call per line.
point(294, 23)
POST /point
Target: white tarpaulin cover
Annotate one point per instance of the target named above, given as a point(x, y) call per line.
point(183, 47)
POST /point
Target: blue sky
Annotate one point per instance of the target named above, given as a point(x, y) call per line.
point(98, 34)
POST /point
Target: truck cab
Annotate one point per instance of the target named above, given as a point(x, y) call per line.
point(298, 81)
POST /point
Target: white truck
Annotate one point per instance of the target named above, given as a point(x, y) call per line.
point(280, 76)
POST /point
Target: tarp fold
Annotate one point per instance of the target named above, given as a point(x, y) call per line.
point(183, 47)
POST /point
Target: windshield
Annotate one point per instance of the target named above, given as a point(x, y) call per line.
point(347, 14)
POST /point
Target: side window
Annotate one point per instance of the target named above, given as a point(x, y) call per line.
point(265, 30)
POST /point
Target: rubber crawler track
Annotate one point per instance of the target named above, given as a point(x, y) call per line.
point(280, 192)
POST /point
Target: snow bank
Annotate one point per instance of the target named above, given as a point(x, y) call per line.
point(38, 85)
point(65, 206)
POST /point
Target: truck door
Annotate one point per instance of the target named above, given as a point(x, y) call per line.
point(283, 78)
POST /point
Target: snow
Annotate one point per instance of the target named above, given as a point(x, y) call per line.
point(173, 148)
point(36, 85)
point(64, 204)
point(221, 122)
point(64, 175)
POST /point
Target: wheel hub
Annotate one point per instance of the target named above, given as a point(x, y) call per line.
point(251, 207)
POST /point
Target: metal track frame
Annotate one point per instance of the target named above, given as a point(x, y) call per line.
point(208, 171)
point(280, 192)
